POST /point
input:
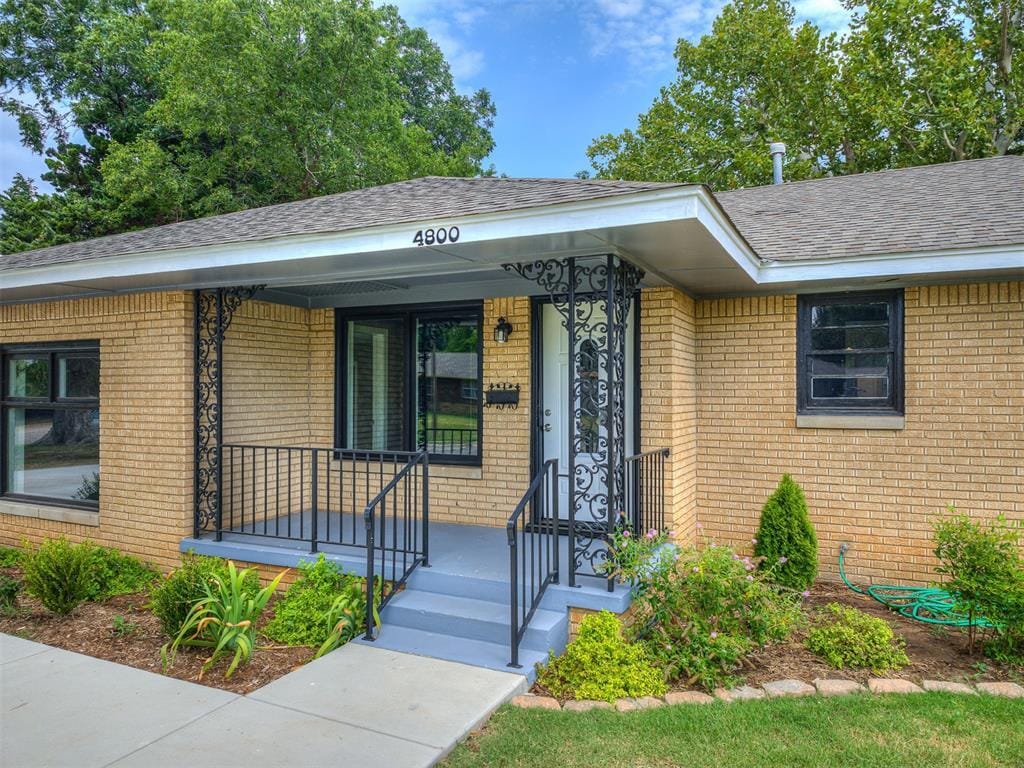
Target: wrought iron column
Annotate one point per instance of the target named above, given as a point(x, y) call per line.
point(212, 313)
point(593, 295)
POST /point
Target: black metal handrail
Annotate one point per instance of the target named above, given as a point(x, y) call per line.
point(399, 511)
point(645, 490)
point(301, 494)
point(452, 441)
point(533, 551)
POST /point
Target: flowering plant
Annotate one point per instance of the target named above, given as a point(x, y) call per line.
point(631, 557)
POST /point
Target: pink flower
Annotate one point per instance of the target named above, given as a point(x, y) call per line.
point(696, 569)
point(671, 534)
point(806, 593)
point(753, 541)
point(651, 534)
point(750, 578)
point(783, 559)
point(714, 635)
point(625, 534)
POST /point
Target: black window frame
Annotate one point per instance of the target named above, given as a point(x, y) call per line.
point(851, 406)
point(409, 314)
point(52, 401)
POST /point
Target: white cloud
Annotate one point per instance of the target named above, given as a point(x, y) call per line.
point(449, 23)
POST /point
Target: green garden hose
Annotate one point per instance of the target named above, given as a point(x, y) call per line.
point(925, 604)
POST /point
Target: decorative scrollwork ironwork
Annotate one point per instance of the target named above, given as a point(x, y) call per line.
point(213, 312)
point(593, 295)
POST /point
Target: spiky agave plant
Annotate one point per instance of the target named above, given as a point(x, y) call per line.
point(224, 620)
point(346, 614)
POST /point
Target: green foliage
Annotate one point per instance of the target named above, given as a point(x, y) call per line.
point(115, 573)
point(174, 596)
point(984, 570)
point(9, 589)
point(632, 557)
point(786, 542)
point(168, 110)
point(701, 614)
point(10, 557)
point(313, 606)
point(59, 574)
point(601, 665)
point(914, 82)
point(121, 627)
point(224, 620)
point(347, 613)
point(846, 637)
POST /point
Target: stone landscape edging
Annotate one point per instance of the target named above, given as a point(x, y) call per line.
point(787, 688)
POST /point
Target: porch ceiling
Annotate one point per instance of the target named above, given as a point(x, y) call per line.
point(678, 235)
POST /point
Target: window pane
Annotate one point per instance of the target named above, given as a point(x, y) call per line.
point(28, 377)
point(849, 315)
point(850, 365)
point(376, 385)
point(54, 453)
point(78, 376)
point(850, 338)
point(448, 385)
point(849, 387)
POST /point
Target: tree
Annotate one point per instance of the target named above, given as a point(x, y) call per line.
point(171, 109)
point(914, 82)
point(786, 541)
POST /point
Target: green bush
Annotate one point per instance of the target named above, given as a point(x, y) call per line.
point(174, 596)
point(985, 573)
point(785, 541)
point(224, 619)
point(116, 573)
point(304, 616)
point(846, 637)
point(59, 574)
point(9, 589)
point(10, 557)
point(601, 665)
point(700, 615)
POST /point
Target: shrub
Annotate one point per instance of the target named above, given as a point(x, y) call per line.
point(304, 616)
point(985, 573)
point(9, 589)
point(116, 573)
point(174, 596)
point(785, 541)
point(632, 557)
point(847, 637)
point(702, 614)
point(346, 615)
point(10, 557)
point(59, 574)
point(224, 620)
point(601, 665)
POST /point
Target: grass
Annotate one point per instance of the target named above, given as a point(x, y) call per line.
point(930, 729)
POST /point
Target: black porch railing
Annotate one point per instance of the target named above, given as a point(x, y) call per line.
point(301, 494)
point(533, 542)
point(451, 441)
point(396, 522)
point(645, 490)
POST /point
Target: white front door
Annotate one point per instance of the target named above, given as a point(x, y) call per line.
point(556, 416)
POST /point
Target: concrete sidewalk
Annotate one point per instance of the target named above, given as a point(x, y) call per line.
point(357, 705)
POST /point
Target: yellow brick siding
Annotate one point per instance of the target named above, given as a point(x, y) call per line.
point(879, 490)
point(145, 417)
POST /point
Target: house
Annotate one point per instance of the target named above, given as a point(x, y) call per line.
point(461, 385)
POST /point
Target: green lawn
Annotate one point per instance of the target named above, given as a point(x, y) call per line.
point(922, 731)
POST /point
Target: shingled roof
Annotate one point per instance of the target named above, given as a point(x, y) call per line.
point(431, 197)
point(967, 204)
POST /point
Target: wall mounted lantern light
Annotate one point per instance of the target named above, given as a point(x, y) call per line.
point(502, 330)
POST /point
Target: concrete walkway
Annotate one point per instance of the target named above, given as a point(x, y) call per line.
point(358, 706)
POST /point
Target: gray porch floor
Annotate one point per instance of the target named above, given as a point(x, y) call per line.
point(469, 552)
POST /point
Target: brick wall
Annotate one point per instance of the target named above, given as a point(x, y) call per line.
point(878, 489)
point(145, 417)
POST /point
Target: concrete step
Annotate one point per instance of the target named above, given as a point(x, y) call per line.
point(473, 652)
point(473, 619)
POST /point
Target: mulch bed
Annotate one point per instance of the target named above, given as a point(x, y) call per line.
point(90, 630)
point(935, 653)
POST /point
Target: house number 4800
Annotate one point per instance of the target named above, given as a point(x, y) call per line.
point(437, 236)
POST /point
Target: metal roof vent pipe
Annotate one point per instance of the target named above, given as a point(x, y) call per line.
point(778, 150)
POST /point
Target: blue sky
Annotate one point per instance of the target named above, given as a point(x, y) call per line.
point(561, 72)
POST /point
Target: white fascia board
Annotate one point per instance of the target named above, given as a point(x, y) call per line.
point(715, 221)
point(916, 264)
point(620, 210)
